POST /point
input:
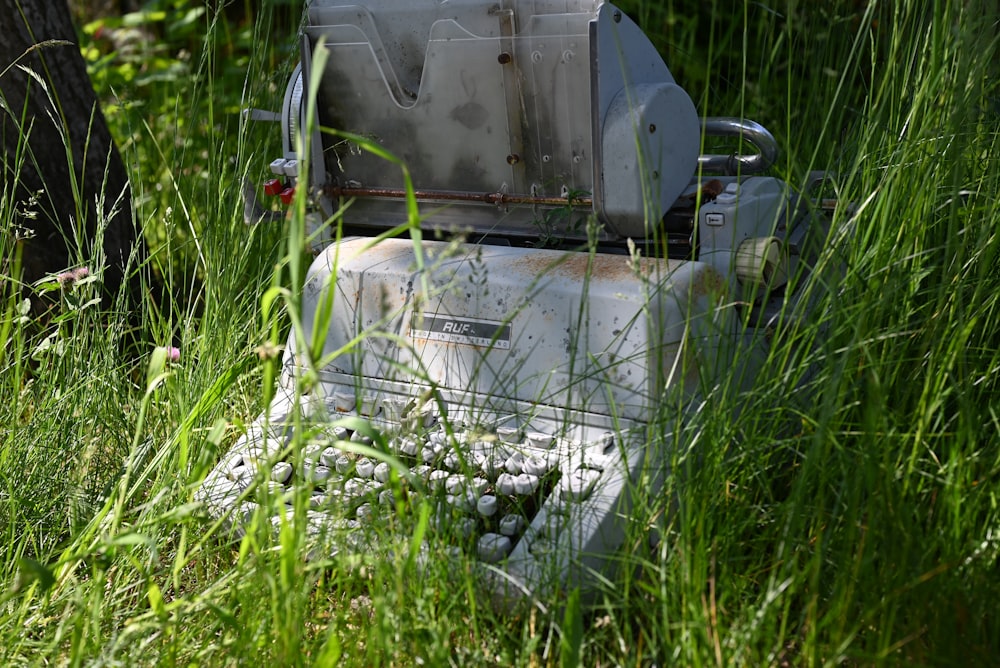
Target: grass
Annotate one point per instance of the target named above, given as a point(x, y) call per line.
point(859, 526)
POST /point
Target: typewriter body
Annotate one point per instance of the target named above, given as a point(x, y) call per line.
point(581, 268)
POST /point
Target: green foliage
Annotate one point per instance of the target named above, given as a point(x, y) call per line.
point(859, 526)
point(175, 77)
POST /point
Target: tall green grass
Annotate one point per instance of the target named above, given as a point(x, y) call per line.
point(854, 520)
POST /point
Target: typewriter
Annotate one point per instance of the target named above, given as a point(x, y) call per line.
point(483, 379)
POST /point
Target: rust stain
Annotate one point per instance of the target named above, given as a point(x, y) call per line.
point(603, 267)
point(708, 283)
point(711, 190)
point(497, 198)
point(700, 280)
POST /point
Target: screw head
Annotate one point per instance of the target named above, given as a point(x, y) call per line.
point(504, 58)
point(617, 16)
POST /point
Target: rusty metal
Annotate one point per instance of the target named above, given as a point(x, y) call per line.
point(513, 94)
point(496, 198)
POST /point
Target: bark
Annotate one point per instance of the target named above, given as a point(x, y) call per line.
point(59, 158)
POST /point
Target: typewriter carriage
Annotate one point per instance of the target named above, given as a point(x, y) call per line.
point(503, 114)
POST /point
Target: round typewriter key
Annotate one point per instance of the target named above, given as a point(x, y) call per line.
point(329, 457)
point(525, 484)
point(358, 437)
point(492, 466)
point(452, 462)
point(344, 463)
point(364, 467)
point(381, 472)
point(512, 525)
point(487, 505)
point(479, 485)
point(454, 483)
point(317, 473)
point(409, 447)
point(536, 466)
point(465, 527)
point(505, 483)
point(514, 463)
point(460, 502)
point(281, 472)
point(274, 488)
point(436, 478)
point(493, 547)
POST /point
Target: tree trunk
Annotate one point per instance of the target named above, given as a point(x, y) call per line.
point(60, 166)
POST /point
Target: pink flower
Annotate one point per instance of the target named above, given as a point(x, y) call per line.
point(68, 278)
point(172, 353)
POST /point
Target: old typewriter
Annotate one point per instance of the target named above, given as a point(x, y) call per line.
point(486, 376)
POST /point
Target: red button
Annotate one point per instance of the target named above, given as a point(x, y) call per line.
point(273, 187)
point(287, 194)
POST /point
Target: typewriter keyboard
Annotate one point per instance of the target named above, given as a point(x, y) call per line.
point(485, 486)
point(540, 503)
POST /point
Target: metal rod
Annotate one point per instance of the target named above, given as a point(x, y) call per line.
point(737, 163)
point(458, 196)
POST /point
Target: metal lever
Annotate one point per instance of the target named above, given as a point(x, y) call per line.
point(737, 163)
point(262, 115)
